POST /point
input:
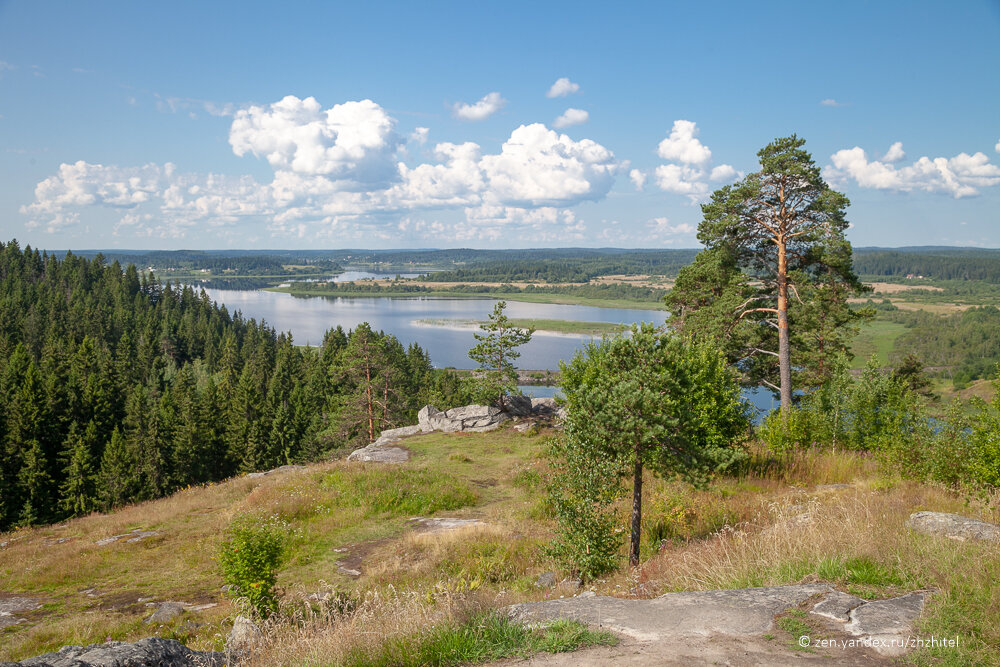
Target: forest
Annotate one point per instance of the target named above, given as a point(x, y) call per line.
point(929, 262)
point(116, 388)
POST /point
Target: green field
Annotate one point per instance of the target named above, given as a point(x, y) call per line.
point(549, 326)
point(876, 337)
point(563, 299)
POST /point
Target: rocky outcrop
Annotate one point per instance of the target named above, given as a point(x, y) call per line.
point(135, 536)
point(149, 652)
point(884, 625)
point(468, 419)
point(9, 606)
point(954, 527)
point(547, 407)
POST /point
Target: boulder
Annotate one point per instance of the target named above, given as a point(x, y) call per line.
point(166, 612)
point(518, 405)
point(375, 453)
point(244, 636)
point(954, 527)
point(543, 406)
point(149, 652)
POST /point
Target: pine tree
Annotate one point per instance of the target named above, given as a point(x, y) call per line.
point(77, 494)
point(495, 353)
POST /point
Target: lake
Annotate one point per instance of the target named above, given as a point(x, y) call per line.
point(308, 318)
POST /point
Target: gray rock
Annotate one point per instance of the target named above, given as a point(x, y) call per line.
point(401, 432)
point(14, 605)
point(546, 580)
point(166, 612)
point(954, 527)
point(734, 612)
point(149, 652)
point(424, 417)
point(543, 406)
point(380, 454)
point(837, 606)
point(244, 636)
point(518, 405)
point(887, 624)
point(134, 536)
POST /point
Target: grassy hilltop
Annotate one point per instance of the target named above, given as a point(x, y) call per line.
point(421, 591)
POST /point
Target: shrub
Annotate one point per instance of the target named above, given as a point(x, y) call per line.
point(250, 559)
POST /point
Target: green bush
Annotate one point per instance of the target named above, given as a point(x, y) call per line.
point(250, 559)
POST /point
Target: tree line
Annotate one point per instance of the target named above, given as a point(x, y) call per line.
point(939, 264)
point(116, 388)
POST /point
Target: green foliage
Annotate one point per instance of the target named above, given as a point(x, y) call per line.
point(985, 436)
point(650, 400)
point(966, 341)
point(481, 639)
point(399, 492)
point(115, 388)
point(772, 284)
point(250, 559)
point(876, 412)
point(495, 353)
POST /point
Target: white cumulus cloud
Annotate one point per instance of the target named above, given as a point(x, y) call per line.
point(895, 153)
point(562, 87)
point(571, 117)
point(683, 145)
point(538, 166)
point(420, 135)
point(638, 179)
point(829, 102)
point(481, 110)
point(690, 171)
point(997, 147)
point(339, 173)
point(354, 143)
point(960, 176)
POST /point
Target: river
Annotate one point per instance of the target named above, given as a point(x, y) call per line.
point(308, 318)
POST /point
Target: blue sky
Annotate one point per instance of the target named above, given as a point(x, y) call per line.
point(396, 125)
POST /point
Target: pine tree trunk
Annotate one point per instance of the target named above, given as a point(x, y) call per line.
point(784, 346)
point(633, 556)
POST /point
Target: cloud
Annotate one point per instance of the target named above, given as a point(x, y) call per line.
point(179, 198)
point(339, 171)
point(830, 102)
point(4, 66)
point(571, 117)
point(895, 153)
point(562, 88)
point(638, 179)
point(353, 143)
point(661, 227)
point(420, 135)
point(723, 172)
point(691, 176)
point(537, 166)
point(481, 110)
point(959, 176)
point(683, 146)
point(997, 147)
point(682, 180)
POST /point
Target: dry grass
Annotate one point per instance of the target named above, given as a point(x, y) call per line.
point(896, 288)
point(774, 524)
